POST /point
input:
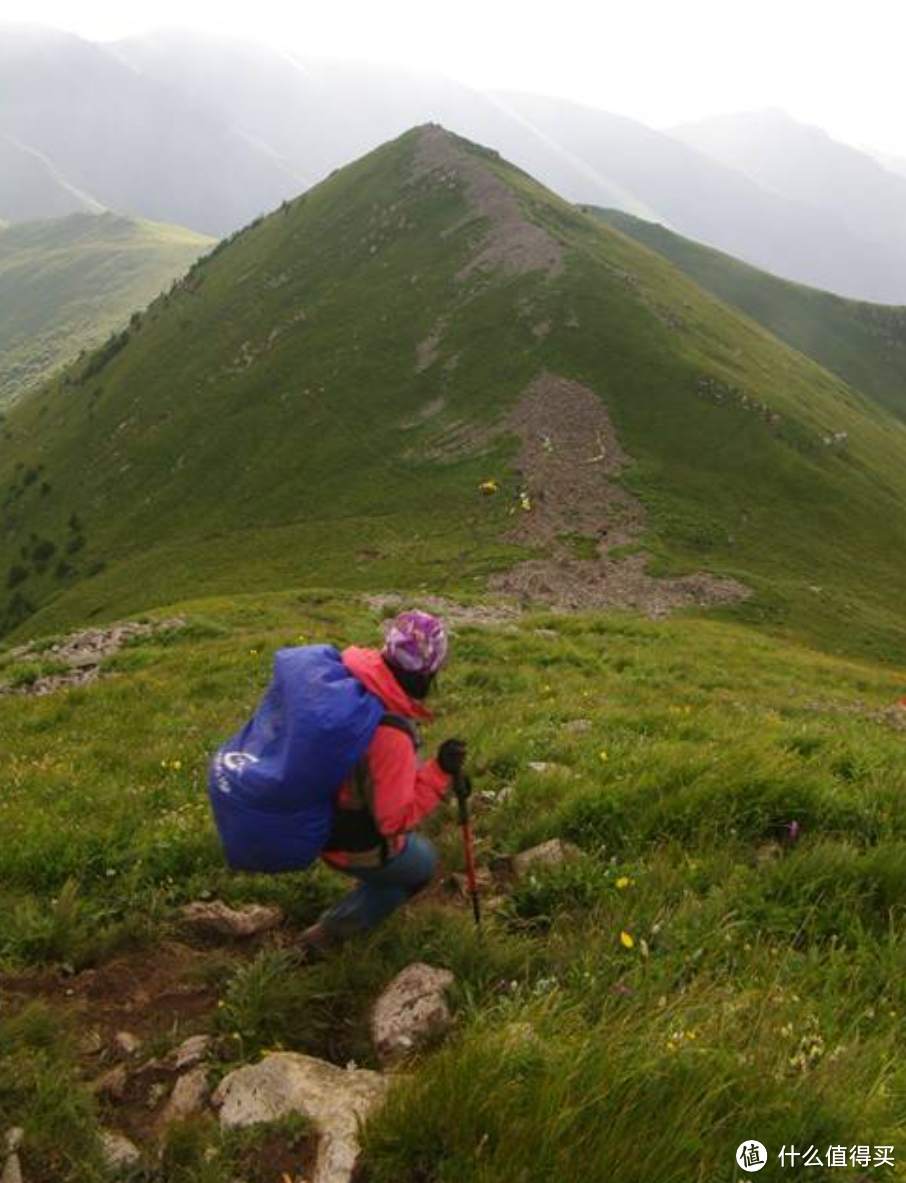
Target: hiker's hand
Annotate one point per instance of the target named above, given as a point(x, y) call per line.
point(451, 756)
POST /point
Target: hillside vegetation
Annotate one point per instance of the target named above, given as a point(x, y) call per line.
point(722, 960)
point(67, 284)
point(864, 343)
point(320, 400)
point(431, 382)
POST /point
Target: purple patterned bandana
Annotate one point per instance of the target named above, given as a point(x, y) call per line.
point(416, 641)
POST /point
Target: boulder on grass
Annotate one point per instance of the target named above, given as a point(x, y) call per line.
point(412, 1010)
point(126, 1043)
point(191, 1052)
point(12, 1170)
point(118, 1151)
point(335, 1100)
point(218, 917)
point(112, 1083)
point(189, 1095)
point(552, 853)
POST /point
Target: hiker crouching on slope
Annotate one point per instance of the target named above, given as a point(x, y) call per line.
point(389, 792)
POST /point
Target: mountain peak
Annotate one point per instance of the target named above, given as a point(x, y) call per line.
point(512, 242)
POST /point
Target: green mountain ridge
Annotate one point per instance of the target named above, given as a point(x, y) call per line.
point(316, 405)
point(66, 284)
point(865, 344)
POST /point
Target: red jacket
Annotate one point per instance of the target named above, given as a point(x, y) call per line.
point(402, 791)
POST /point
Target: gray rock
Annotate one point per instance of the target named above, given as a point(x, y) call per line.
point(335, 1100)
point(578, 726)
point(191, 1052)
point(458, 883)
point(216, 916)
point(112, 1084)
point(552, 853)
point(189, 1095)
point(410, 1011)
point(12, 1170)
point(118, 1151)
point(156, 1094)
point(127, 1043)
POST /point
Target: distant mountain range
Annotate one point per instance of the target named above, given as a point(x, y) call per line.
point(210, 133)
point(803, 164)
point(67, 283)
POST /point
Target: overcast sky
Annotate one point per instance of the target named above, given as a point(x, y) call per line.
point(836, 64)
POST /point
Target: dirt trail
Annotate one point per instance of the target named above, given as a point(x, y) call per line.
point(512, 243)
point(159, 995)
point(570, 456)
point(569, 459)
point(571, 506)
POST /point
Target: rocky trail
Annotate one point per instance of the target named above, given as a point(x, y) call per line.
point(152, 1052)
point(571, 507)
point(75, 660)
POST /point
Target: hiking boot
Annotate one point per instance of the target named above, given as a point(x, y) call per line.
point(315, 943)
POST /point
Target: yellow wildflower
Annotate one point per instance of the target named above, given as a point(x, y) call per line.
point(627, 940)
point(623, 882)
point(602, 756)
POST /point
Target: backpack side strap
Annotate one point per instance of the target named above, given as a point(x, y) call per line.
point(355, 829)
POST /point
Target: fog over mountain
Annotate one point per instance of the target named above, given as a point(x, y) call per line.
point(209, 133)
point(124, 142)
point(804, 164)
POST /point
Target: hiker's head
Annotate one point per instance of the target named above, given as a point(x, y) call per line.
point(415, 648)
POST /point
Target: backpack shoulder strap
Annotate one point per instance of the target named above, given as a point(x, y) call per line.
point(401, 723)
point(354, 827)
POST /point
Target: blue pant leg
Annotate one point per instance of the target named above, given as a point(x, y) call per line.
point(382, 890)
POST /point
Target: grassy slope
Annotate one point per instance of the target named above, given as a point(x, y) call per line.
point(864, 343)
point(764, 990)
point(68, 283)
point(250, 433)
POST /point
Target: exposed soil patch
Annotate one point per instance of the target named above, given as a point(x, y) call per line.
point(893, 717)
point(158, 995)
point(429, 411)
point(426, 352)
point(570, 453)
point(277, 1158)
point(512, 243)
point(490, 614)
point(77, 659)
point(454, 440)
point(147, 993)
point(605, 584)
point(569, 459)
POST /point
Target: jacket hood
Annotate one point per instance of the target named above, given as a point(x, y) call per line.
point(368, 666)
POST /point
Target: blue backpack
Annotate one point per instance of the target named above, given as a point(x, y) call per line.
point(273, 785)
